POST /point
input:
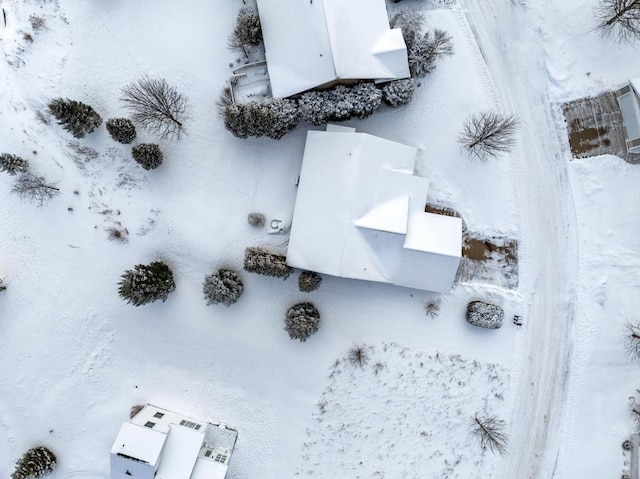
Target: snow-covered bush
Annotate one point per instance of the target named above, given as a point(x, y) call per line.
point(224, 286)
point(301, 321)
point(273, 118)
point(423, 50)
point(256, 220)
point(484, 315)
point(13, 164)
point(146, 283)
point(148, 155)
point(37, 462)
point(35, 189)
point(364, 98)
point(314, 107)
point(247, 31)
point(74, 116)
point(281, 116)
point(410, 21)
point(398, 92)
point(427, 50)
point(121, 130)
point(261, 261)
point(309, 281)
point(339, 103)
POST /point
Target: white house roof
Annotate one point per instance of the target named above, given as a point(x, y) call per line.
point(208, 469)
point(180, 453)
point(311, 43)
point(360, 214)
point(139, 442)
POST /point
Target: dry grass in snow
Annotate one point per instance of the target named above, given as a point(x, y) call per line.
point(406, 413)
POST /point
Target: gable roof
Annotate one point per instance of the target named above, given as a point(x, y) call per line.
point(360, 214)
point(312, 43)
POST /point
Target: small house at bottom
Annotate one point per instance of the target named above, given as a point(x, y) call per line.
point(629, 103)
point(157, 443)
point(360, 213)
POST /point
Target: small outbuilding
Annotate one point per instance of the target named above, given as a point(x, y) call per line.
point(157, 443)
point(311, 44)
point(629, 103)
point(360, 213)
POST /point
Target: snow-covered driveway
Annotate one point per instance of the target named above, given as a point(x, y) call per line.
point(549, 239)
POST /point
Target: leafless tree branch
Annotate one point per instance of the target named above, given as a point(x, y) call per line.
point(157, 106)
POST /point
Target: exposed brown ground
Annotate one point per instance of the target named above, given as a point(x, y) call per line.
point(484, 259)
point(595, 127)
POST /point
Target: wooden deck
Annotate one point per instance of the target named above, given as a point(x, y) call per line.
point(595, 128)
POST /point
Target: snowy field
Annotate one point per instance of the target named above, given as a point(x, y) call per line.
point(75, 357)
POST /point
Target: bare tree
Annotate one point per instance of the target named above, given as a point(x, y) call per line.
point(358, 355)
point(157, 106)
point(34, 189)
point(490, 432)
point(631, 340)
point(619, 19)
point(487, 134)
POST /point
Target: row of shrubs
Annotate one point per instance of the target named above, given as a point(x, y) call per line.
point(275, 117)
point(149, 283)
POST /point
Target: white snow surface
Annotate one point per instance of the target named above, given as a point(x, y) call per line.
point(75, 357)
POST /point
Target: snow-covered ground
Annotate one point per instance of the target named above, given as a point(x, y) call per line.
point(75, 357)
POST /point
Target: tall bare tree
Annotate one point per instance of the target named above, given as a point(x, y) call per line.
point(619, 19)
point(490, 432)
point(157, 106)
point(487, 134)
point(34, 188)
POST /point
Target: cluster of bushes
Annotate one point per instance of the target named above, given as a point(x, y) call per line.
point(275, 117)
point(145, 284)
point(155, 105)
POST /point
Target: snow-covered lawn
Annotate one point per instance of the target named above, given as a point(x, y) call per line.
point(404, 413)
point(75, 357)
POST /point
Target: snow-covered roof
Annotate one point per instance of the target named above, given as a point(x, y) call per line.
point(179, 446)
point(180, 453)
point(209, 469)
point(360, 214)
point(311, 43)
point(630, 110)
point(140, 443)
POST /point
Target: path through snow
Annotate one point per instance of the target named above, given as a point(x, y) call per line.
point(548, 230)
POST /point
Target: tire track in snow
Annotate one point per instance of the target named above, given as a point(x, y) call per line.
point(512, 48)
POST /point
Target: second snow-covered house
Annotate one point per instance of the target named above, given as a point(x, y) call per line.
point(315, 43)
point(161, 444)
point(360, 213)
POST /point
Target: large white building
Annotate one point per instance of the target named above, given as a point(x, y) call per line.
point(157, 443)
point(360, 213)
point(313, 43)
